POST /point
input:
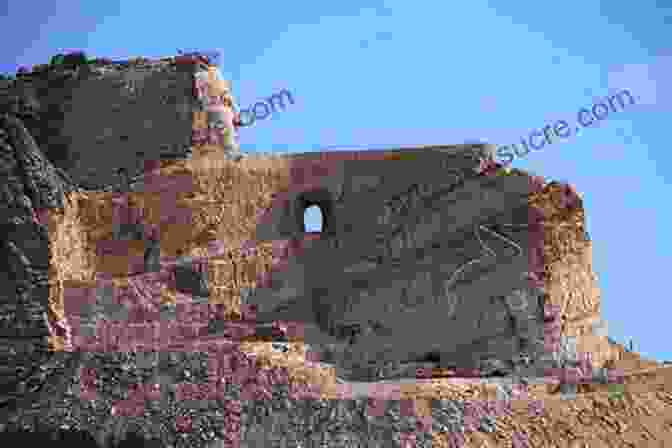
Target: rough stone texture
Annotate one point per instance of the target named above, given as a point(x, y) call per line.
point(29, 186)
point(569, 279)
point(411, 263)
point(191, 278)
point(92, 119)
point(428, 256)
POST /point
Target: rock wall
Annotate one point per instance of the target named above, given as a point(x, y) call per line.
point(430, 253)
point(425, 254)
point(50, 119)
point(295, 253)
point(569, 280)
point(29, 187)
point(93, 119)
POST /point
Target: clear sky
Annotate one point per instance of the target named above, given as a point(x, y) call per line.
point(373, 74)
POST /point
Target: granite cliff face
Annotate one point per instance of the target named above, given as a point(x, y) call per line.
point(82, 115)
point(431, 257)
point(421, 257)
point(30, 187)
point(43, 148)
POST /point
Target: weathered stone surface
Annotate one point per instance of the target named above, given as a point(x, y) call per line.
point(91, 120)
point(191, 278)
point(29, 184)
point(423, 263)
point(42, 103)
point(441, 265)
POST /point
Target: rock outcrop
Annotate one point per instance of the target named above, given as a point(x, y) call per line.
point(29, 188)
point(91, 119)
point(435, 261)
point(430, 258)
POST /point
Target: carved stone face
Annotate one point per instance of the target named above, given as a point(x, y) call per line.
point(419, 273)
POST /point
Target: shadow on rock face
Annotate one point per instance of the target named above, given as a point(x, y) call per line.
point(191, 280)
point(61, 438)
point(135, 440)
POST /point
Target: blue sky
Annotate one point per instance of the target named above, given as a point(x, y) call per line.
point(372, 74)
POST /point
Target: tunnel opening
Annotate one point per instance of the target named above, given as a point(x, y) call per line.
point(313, 219)
point(314, 212)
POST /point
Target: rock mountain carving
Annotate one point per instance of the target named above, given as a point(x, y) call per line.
point(427, 256)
